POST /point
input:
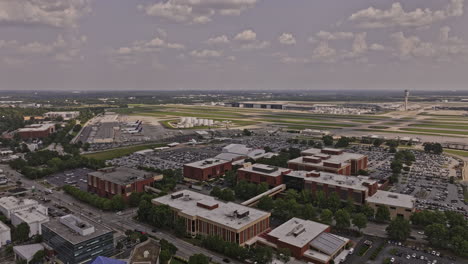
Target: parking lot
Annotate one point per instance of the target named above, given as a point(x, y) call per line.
point(76, 177)
point(401, 253)
point(379, 160)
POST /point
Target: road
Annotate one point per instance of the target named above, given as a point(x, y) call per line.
point(109, 219)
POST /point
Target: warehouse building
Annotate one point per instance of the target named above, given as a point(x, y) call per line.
point(205, 215)
point(111, 181)
point(259, 173)
point(329, 160)
point(207, 169)
point(399, 205)
point(36, 131)
point(307, 240)
point(76, 241)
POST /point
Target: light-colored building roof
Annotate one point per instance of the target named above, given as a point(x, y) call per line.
point(226, 214)
point(122, 175)
point(344, 156)
point(27, 251)
point(392, 199)
point(206, 163)
point(30, 216)
point(10, 203)
point(328, 243)
point(3, 227)
point(237, 149)
point(34, 128)
point(229, 156)
point(267, 170)
point(351, 182)
point(298, 232)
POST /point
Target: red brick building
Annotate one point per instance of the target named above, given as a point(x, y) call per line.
point(204, 215)
point(207, 169)
point(259, 173)
point(329, 160)
point(123, 181)
point(307, 240)
point(36, 131)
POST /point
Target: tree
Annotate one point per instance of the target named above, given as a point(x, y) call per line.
point(118, 203)
point(360, 221)
point(180, 228)
point(378, 142)
point(283, 254)
point(21, 232)
point(246, 132)
point(38, 257)
point(342, 219)
point(383, 214)
point(134, 199)
point(436, 234)
point(265, 203)
point(327, 140)
point(262, 255)
point(367, 211)
point(309, 212)
point(230, 178)
point(164, 256)
point(199, 259)
point(326, 216)
point(334, 201)
point(343, 142)
point(399, 229)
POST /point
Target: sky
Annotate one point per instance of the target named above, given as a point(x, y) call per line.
point(233, 45)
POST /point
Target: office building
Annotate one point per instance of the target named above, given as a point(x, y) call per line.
point(308, 241)
point(33, 217)
point(111, 181)
point(399, 205)
point(205, 215)
point(36, 131)
point(10, 204)
point(329, 160)
point(207, 169)
point(76, 241)
point(356, 188)
point(259, 173)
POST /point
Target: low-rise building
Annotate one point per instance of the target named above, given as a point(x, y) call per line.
point(36, 131)
point(10, 204)
point(26, 252)
point(65, 115)
point(111, 181)
point(146, 252)
point(329, 160)
point(77, 241)
point(355, 188)
point(399, 205)
point(207, 169)
point(259, 173)
point(5, 234)
point(205, 215)
point(307, 240)
point(33, 217)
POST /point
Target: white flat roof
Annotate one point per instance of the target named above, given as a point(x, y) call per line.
point(11, 202)
point(298, 232)
point(206, 163)
point(353, 182)
point(36, 128)
point(223, 214)
point(27, 251)
point(4, 227)
point(392, 199)
point(263, 169)
point(31, 216)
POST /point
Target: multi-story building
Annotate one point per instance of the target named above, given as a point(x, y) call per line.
point(329, 160)
point(207, 169)
point(346, 187)
point(10, 204)
point(36, 131)
point(205, 215)
point(399, 205)
point(307, 240)
point(5, 234)
point(259, 173)
point(111, 181)
point(77, 241)
point(65, 115)
point(33, 217)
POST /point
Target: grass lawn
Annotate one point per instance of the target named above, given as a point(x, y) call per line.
point(437, 131)
point(283, 121)
point(379, 127)
point(457, 152)
point(402, 132)
point(438, 125)
point(120, 152)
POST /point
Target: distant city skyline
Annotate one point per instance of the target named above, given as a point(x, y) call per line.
point(233, 45)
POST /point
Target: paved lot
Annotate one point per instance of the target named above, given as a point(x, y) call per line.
point(76, 177)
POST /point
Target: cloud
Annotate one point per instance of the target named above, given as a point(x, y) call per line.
point(218, 40)
point(397, 16)
point(287, 39)
point(246, 36)
point(323, 52)
point(55, 13)
point(196, 11)
point(377, 47)
point(206, 53)
point(256, 45)
point(325, 35)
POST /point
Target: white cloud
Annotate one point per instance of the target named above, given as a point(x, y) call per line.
point(377, 47)
point(287, 39)
point(206, 53)
point(218, 40)
point(397, 16)
point(325, 35)
point(196, 11)
point(360, 44)
point(323, 52)
point(55, 13)
point(246, 36)
point(256, 45)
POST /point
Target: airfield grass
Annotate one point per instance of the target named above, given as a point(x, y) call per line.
point(379, 127)
point(281, 121)
point(436, 125)
point(436, 131)
point(404, 132)
point(462, 153)
point(120, 152)
point(298, 127)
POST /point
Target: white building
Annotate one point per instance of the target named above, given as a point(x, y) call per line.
point(33, 217)
point(10, 204)
point(5, 235)
point(64, 115)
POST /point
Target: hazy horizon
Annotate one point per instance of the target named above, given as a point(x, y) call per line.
point(227, 45)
